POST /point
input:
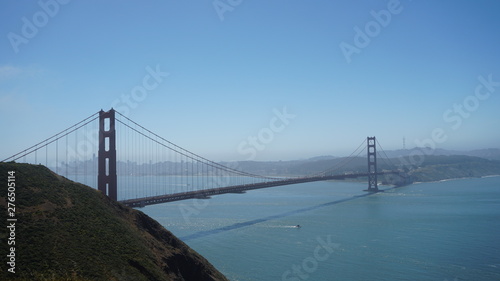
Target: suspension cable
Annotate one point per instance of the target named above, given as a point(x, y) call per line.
point(347, 160)
point(53, 138)
point(386, 157)
point(188, 153)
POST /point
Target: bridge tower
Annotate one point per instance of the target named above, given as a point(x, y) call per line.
point(372, 164)
point(106, 178)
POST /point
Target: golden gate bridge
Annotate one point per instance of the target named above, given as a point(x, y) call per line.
point(137, 167)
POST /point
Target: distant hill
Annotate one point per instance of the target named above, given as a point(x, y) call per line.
point(280, 168)
point(68, 231)
point(442, 167)
point(432, 168)
point(489, 153)
point(309, 166)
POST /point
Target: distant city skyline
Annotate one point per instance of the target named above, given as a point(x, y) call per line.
point(255, 80)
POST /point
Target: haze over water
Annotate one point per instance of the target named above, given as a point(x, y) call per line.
point(428, 231)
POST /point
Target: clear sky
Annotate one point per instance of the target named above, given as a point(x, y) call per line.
point(302, 78)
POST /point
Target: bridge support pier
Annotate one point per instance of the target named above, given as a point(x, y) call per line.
point(106, 178)
point(372, 164)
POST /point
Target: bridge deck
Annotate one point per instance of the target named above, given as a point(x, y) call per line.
point(141, 202)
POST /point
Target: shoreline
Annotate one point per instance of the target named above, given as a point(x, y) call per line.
point(453, 179)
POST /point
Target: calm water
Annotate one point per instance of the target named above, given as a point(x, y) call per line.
point(431, 231)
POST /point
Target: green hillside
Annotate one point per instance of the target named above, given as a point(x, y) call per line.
point(435, 168)
point(68, 231)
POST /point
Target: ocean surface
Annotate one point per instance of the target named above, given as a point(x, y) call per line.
point(447, 230)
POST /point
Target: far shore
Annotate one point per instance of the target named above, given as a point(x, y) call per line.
point(454, 179)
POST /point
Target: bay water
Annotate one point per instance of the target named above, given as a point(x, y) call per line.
point(447, 230)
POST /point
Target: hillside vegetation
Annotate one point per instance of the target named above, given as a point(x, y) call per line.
point(436, 168)
point(68, 231)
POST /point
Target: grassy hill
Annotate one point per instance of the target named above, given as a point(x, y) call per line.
point(68, 231)
point(435, 168)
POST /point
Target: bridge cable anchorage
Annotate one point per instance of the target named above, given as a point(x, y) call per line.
point(52, 139)
point(188, 153)
point(344, 161)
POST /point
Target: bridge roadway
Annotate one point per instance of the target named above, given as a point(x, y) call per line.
point(205, 194)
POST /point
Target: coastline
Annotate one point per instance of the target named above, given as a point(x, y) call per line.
point(454, 179)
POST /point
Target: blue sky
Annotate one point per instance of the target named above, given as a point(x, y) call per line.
point(412, 70)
